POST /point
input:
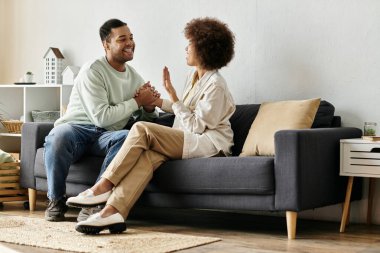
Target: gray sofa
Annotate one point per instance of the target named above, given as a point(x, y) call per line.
point(304, 173)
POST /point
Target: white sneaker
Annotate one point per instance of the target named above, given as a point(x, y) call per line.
point(88, 199)
point(95, 223)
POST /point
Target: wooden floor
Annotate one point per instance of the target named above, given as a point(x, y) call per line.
point(240, 233)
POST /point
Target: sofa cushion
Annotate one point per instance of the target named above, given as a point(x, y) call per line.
point(84, 171)
point(275, 116)
point(216, 175)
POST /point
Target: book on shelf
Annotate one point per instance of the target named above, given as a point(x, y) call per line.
point(371, 138)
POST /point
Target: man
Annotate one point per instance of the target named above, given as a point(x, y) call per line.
point(101, 103)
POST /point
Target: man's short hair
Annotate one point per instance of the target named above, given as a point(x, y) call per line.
point(105, 29)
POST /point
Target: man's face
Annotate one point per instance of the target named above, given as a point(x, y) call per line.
point(120, 45)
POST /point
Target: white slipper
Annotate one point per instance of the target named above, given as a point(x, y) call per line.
point(115, 223)
point(88, 199)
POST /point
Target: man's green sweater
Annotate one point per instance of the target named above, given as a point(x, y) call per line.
point(103, 96)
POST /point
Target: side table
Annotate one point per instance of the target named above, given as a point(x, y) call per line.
point(359, 158)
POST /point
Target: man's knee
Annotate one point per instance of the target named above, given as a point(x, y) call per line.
point(60, 136)
point(120, 135)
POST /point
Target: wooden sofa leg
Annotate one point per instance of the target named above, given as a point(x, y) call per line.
point(291, 224)
point(32, 194)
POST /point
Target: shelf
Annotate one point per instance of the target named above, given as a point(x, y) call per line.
point(10, 135)
point(32, 85)
point(18, 102)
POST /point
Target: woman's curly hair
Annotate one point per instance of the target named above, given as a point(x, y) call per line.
point(213, 42)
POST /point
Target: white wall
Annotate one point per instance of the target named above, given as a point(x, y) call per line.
point(157, 25)
point(2, 37)
point(285, 49)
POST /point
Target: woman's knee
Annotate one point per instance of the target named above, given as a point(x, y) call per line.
point(140, 127)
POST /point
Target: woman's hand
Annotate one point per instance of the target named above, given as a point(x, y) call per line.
point(168, 85)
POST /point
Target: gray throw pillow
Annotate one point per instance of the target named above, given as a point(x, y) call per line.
point(45, 116)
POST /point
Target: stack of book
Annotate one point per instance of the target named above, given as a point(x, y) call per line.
point(371, 138)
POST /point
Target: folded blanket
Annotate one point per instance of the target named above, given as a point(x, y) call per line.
point(6, 157)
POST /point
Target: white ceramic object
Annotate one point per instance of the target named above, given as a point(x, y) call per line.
point(28, 78)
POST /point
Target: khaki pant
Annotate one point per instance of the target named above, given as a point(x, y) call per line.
point(147, 146)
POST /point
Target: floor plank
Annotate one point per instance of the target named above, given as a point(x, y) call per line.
point(240, 232)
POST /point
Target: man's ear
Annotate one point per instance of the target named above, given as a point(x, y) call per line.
point(106, 45)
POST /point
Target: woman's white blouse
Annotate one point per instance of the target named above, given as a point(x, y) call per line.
point(205, 117)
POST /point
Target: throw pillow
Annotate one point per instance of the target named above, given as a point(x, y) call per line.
point(275, 116)
point(45, 116)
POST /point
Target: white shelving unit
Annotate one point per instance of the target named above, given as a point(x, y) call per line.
point(359, 158)
point(20, 100)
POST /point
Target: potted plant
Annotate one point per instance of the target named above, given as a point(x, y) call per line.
point(28, 77)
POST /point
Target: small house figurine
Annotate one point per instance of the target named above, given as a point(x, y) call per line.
point(69, 74)
point(54, 65)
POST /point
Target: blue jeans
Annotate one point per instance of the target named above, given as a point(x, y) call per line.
point(67, 143)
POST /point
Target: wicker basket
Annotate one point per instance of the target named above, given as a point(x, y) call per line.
point(12, 126)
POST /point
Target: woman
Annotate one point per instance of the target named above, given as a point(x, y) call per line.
point(201, 129)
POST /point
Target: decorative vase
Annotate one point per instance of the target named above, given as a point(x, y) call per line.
point(28, 78)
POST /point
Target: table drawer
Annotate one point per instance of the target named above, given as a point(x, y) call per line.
point(360, 159)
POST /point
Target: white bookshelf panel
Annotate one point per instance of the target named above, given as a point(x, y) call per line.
point(20, 100)
point(41, 98)
point(11, 100)
point(65, 96)
point(11, 104)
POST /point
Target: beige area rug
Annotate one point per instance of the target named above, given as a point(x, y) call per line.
point(4, 249)
point(62, 235)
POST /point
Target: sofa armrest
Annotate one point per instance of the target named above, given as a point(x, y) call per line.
point(307, 167)
point(33, 138)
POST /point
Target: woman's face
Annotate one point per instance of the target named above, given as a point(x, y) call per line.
point(191, 56)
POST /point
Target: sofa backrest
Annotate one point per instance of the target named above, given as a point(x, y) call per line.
point(241, 122)
point(324, 116)
point(244, 115)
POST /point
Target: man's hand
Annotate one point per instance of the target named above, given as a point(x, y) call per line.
point(145, 96)
point(148, 85)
